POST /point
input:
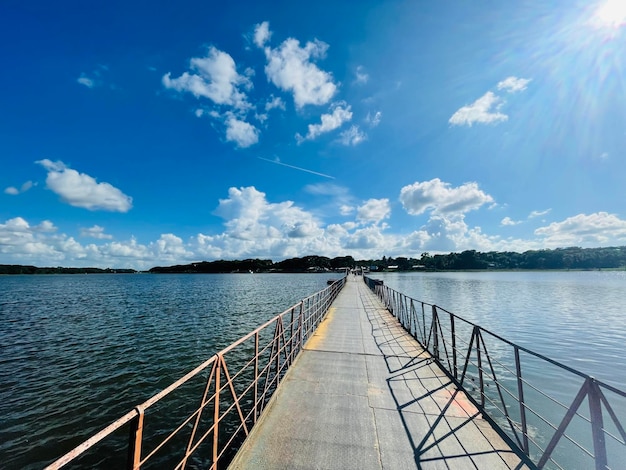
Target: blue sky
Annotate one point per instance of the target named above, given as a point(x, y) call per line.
point(136, 134)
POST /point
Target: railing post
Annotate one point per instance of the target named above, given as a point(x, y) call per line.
point(522, 403)
point(134, 441)
point(216, 412)
point(481, 379)
point(435, 330)
point(454, 359)
point(256, 375)
point(424, 323)
point(597, 425)
point(301, 325)
point(291, 340)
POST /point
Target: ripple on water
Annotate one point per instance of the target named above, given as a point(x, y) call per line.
point(77, 352)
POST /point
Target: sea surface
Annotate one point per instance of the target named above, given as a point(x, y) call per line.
point(79, 351)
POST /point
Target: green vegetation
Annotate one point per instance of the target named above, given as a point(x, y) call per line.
point(560, 258)
point(20, 269)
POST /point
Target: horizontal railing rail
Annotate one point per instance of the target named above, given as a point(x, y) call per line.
point(536, 403)
point(233, 388)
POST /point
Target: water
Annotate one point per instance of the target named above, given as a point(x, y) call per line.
point(577, 317)
point(78, 351)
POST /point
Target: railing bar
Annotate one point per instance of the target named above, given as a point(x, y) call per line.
point(528, 351)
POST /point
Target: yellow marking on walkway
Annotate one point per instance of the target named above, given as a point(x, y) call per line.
point(322, 330)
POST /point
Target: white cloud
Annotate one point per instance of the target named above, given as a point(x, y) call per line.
point(262, 34)
point(241, 132)
point(86, 81)
point(250, 217)
point(290, 68)
point(368, 239)
point(94, 79)
point(13, 191)
point(534, 214)
point(507, 221)
point(95, 232)
point(598, 229)
point(81, 190)
point(373, 120)
point(441, 198)
point(214, 77)
point(352, 136)
point(274, 102)
point(345, 209)
point(513, 84)
point(329, 122)
point(484, 110)
point(361, 76)
point(374, 210)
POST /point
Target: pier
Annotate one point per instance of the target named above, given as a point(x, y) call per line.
point(360, 376)
point(363, 394)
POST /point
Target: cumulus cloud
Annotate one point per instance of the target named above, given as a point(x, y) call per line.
point(290, 67)
point(214, 77)
point(507, 221)
point(598, 229)
point(95, 232)
point(242, 133)
point(352, 136)
point(81, 190)
point(513, 84)
point(250, 216)
point(440, 198)
point(374, 210)
point(484, 110)
point(329, 122)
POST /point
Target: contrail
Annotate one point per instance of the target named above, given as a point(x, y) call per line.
point(296, 168)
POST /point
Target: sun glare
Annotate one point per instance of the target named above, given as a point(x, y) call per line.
point(612, 13)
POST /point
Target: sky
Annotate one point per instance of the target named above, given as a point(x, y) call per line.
point(136, 134)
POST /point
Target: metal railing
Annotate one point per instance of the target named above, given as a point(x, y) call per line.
point(534, 402)
point(233, 388)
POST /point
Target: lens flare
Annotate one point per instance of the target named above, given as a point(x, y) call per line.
point(612, 13)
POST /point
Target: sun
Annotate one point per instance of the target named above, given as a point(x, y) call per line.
point(611, 13)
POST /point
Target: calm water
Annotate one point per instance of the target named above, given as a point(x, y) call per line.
point(577, 318)
point(77, 352)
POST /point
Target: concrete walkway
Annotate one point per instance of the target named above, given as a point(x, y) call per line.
point(364, 395)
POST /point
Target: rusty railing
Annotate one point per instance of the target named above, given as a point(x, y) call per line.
point(233, 388)
point(535, 402)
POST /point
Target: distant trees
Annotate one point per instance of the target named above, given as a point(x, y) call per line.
point(21, 269)
point(560, 258)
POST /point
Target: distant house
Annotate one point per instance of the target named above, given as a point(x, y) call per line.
point(395, 266)
point(418, 266)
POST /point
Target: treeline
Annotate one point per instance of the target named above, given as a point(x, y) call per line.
point(291, 265)
point(560, 258)
point(21, 269)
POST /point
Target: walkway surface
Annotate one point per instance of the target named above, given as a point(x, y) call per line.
point(364, 395)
